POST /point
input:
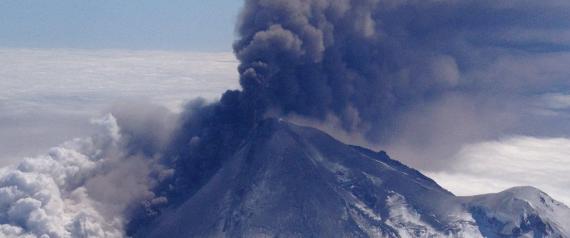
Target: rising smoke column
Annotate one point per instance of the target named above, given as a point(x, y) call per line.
point(340, 59)
point(364, 63)
point(318, 59)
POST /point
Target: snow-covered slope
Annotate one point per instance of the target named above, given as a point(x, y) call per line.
point(520, 212)
point(290, 181)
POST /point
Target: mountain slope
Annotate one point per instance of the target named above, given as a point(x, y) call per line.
point(290, 181)
point(520, 212)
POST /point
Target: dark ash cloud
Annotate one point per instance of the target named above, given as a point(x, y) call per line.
point(366, 62)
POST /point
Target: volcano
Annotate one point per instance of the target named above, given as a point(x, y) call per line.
point(291, 181)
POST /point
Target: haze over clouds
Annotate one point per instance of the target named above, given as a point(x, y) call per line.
point(49, 96)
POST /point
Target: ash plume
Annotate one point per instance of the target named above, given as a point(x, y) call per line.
point(366, 63)
point(339, 58)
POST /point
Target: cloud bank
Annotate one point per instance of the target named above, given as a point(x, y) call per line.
point(49, 95)
point(492, 166)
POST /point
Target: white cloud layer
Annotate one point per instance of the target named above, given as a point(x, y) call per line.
point(492, 166)
point(48, 96)
point(63, 78)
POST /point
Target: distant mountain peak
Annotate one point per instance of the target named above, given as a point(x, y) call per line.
point(520, 212)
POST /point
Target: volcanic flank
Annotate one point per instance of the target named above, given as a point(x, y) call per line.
point(291, 181)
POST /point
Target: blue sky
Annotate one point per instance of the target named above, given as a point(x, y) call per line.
point(195, 25)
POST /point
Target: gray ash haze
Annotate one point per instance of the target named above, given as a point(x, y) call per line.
point(473, 93)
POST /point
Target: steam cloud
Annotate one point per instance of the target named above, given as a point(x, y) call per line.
point(83, 188)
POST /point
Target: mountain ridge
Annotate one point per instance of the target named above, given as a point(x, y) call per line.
point(291, 181)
